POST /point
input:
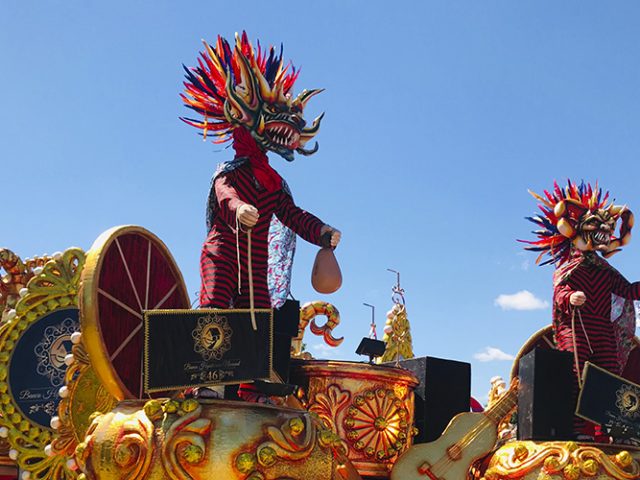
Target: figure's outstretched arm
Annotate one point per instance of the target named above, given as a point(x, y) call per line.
point(305, 224)
point(623, 288)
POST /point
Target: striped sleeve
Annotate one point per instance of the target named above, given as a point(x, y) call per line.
point(305, 224)
point(561, 296)
point(623, 288)
point(228, 199)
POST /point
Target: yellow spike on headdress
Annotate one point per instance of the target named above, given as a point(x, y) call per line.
point(540, 199)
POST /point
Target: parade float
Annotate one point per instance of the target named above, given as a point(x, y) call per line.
point(107, 372)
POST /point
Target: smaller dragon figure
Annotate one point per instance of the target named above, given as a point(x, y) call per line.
point(593, 313)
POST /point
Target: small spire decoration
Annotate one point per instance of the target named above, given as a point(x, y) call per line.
point(372, 326)
point(397, 330)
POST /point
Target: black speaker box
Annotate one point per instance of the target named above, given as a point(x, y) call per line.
point(285, 326)
point(545, 396)
point(443, 392)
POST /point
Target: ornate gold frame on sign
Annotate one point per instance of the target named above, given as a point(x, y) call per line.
point(55, 288)
point(90, 325)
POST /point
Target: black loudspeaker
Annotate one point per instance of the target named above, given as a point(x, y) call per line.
point(443, 392)
point(285, 326)
point(545, 395)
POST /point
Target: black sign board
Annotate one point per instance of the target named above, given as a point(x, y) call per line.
point(193, 348)
point(37, 368)
point(611, 401)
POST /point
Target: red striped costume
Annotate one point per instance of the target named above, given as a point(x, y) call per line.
point(592, 336)
point(218, 262)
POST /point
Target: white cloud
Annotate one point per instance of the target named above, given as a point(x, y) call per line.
point(523, 300)
point(325, 351)
point(491, 354)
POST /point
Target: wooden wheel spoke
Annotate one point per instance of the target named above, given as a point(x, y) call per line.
point(146, 293)
point(126, 341)
point(138, 315)
point(126, 268)
point(166, 297)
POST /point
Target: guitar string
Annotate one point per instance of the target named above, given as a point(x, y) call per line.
point(444, 462)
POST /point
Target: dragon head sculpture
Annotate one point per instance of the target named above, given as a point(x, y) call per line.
point(249, 88)
point(578, 217)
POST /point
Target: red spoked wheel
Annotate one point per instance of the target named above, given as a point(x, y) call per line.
point(128, 270)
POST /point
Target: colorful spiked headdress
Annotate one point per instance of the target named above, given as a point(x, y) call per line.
point(577, 217)
point(251, 88)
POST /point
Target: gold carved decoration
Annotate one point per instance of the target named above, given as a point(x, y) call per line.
point(294, 441)
point(525, 460)
point(17, 275)
point(84, 396)
point(370, 406)
point(308, 313)
point(327, 405)
point(192, 439)
point(173, 428)
point(376, 424)
point(53, 288)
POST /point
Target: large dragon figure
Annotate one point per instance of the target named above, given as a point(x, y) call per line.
point(243, 95)
point(593, 313)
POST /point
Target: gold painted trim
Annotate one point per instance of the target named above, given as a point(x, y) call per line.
point(273, 376)
point(54, 289)
point(89, 315)
point(354, 370)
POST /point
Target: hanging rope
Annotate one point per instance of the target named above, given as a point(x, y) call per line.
point(249, 269)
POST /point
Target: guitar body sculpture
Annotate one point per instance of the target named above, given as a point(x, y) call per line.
point(468, 437)
point(447, 458)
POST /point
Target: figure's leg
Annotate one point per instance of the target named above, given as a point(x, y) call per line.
point(219, 278)
point(579, 348)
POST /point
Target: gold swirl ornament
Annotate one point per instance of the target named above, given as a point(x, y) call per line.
point(308, 313)
point(527, 460)
point(53, 288)
point(199, 439)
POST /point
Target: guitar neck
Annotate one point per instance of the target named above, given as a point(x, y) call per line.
point(498, 411)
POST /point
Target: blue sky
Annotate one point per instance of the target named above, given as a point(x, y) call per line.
point(439, 117)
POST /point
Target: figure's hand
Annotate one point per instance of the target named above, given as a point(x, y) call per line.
point(248, 215)
point(336, 235)
point(577, 299)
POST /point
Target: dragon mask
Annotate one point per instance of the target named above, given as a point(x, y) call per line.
point(249, 88)
point(578, 217)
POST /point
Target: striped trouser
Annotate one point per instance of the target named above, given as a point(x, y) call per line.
point(594, 341)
